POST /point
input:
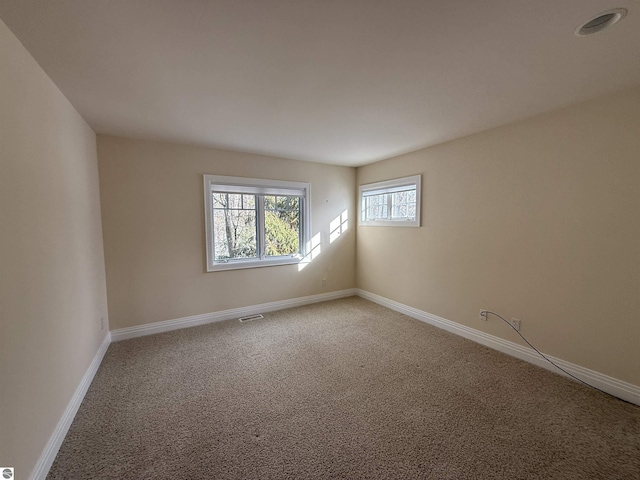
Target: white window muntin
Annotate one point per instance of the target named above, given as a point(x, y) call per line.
point(386, 190)
point(255, 186)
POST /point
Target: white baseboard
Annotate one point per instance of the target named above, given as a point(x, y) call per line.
point(50, 451)
point(168, 325)
point(618, 388)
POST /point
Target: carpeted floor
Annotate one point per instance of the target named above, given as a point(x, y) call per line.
point(343, 389)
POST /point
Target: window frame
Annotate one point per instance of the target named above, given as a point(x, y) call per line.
point(260, 187)
point(413, 180)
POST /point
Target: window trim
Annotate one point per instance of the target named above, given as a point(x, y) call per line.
point(389, 185)
point(256, 186)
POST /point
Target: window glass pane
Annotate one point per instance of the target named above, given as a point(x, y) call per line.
point(412, 211)
point(249, 201)
point(281, 225)
point(404, 205)
point(234, 226)
point(219, 199)
point(376, 207)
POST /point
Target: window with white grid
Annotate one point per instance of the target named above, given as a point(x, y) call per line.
point(252, 222)
point(391, 203)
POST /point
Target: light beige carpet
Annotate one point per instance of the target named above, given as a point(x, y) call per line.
point(343, 389)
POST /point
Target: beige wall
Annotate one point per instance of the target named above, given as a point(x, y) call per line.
point(153, 222)
point(538, 220)
point(52, 282)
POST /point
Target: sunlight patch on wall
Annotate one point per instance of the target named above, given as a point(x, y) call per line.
point(314, 248)
point(338, 226)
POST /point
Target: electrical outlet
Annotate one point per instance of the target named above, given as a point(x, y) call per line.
point(324, 281)
point(516, 324)
point(483, 315)
point(101, 323)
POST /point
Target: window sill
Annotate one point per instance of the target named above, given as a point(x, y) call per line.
point(240, 264)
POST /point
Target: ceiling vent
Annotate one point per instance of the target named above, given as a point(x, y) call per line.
point(602, 21)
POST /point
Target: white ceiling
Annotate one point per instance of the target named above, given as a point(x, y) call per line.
point(338, 81)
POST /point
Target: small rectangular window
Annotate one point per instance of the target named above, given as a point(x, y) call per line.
point(254, 223)
point(392, 202)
